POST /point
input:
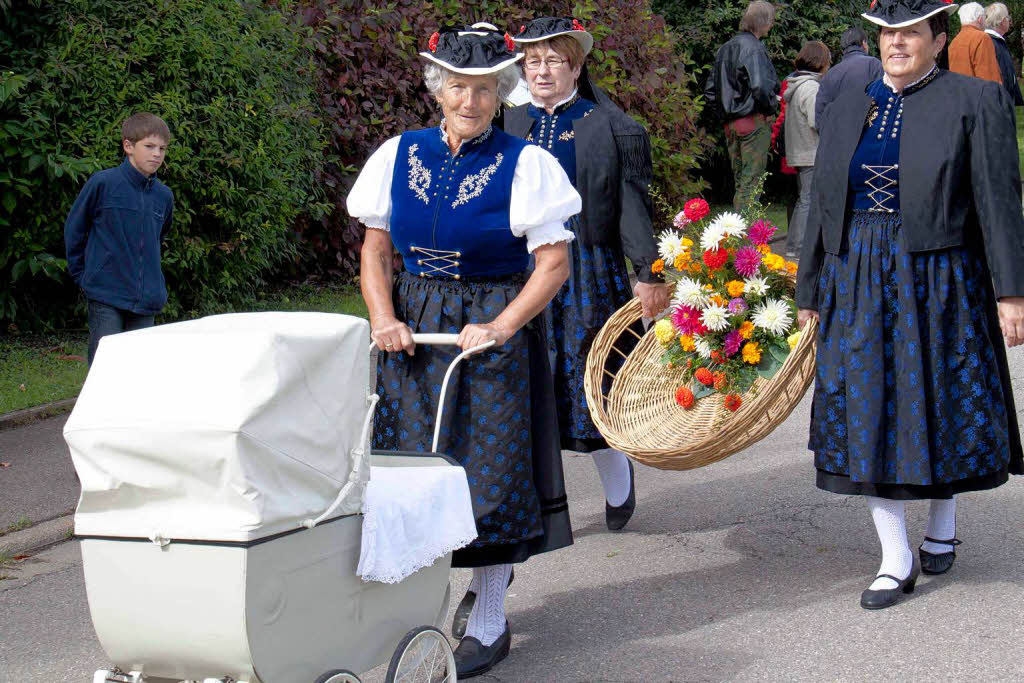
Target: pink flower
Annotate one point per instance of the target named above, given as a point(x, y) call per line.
point(761, 231)
point(687, 320)
point(681, 221)
point(733, 342)
point(747, 260)
point(737, 305)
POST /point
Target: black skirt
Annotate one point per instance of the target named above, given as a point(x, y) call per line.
point(499, 421)
point(912, 397)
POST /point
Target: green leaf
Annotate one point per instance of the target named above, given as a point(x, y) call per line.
point(768, 366)
point(18, 270)
point(9, 201)
point(779, 352)
point(702, 391)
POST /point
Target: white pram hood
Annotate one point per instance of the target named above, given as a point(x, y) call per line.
point(228, 428)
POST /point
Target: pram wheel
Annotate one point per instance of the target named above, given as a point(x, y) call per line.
point(423, 656)
point(338, 676)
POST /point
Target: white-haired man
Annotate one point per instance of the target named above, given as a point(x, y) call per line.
point(972, 53)
point(997, 25)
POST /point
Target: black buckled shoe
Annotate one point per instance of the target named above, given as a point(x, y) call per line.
point(887, 597)
point(472, 658)
point(461, 618)
point(616, 517)
point(938, 563)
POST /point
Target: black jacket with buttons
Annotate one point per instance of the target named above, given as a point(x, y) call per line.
point(959, 179)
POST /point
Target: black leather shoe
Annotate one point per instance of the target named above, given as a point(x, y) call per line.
point(616, 517)
point(938, 563)
point(461, 617)
point(887, 597)
point(473, 658)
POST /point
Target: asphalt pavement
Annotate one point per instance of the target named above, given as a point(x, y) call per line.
point(739, 571)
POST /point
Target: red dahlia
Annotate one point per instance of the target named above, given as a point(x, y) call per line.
point(704, 376)
point(696, 209)
point(715, 258)
point(733, 402)
point(684, 397)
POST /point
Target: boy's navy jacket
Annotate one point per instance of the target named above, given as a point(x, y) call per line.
point(113, 235)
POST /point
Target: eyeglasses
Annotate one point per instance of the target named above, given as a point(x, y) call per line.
point(551, 63)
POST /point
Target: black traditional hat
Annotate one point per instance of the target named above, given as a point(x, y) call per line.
point(473, 51)
point(901, 13)
point(545, 28)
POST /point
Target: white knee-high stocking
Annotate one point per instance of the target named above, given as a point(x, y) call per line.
point(487, 620)
point(891, 525)
point(613, 468)
point(941, 525)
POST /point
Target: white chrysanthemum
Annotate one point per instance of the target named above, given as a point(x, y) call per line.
point(773, 315)
point(691, 293)
point(703, 348)
point(715, 317)
point(711, 236)
point(757, 286)
point(732, 224)
point(670, 245)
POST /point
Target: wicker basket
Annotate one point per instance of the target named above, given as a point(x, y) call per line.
point(639, 415)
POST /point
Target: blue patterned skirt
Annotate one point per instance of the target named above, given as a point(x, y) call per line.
point(598, 285)
point(913, 397)
point(499, 419)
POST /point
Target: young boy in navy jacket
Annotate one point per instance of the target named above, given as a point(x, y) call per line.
point(114, 231)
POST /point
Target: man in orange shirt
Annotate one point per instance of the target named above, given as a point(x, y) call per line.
point(972, 53)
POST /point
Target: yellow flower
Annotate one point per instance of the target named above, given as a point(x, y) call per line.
point(751, 353)
point(664, 331)
point(774, 262)
point(793, 340)
point(791, 267)
point(682, 261)
point(719, 300)
point(686, 341)
point(687, 242)
point(658, 266)
point(735, 288)
point(764, 249)
point(747, 329)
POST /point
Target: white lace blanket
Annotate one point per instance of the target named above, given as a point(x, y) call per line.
point(411, 517)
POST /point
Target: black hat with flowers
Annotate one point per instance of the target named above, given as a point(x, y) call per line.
point(474, 51)
point(545, 28)
point(901, 13)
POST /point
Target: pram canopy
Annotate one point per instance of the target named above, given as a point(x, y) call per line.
point(228, 428)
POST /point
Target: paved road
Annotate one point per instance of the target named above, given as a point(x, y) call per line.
point(40, 483)
point(739, 571)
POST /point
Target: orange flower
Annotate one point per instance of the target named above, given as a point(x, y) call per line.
point(682, 261)
point(751, 353)
point(735, 288)
point(704, 376)
point(684, 397)
point(733, 402)
point(694, 267)
point(719, 380)
point(719, 300)
point(686, 341)
point(658, 266)
point(747, 329)
point(764, 249)
point(791, 267)
point(716, 356)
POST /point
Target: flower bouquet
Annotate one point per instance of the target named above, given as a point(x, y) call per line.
point(726, 363)
point(732, 318)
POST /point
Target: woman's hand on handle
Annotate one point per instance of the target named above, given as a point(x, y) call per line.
point(477, 334)
point(804, 315)
point(1011, 319)
point(391, 334)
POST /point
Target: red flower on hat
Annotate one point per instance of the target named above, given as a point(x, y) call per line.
point(577, 26)
point(509, 43)
point(522, 29)
point(433, 41)
point(875, 2)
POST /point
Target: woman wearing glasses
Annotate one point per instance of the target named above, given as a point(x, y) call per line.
point(607, 156)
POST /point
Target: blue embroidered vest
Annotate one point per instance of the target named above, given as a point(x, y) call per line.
point(555, 133)
point(450, 214)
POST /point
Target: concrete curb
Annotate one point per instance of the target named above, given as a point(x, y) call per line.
point(20, 418)
point(38, 536)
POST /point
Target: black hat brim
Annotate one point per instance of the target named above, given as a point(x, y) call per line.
point(949, 9)
point(584, 38)
point(473, 70)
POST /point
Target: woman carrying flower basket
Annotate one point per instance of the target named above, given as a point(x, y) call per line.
point(607, 156)
point(913, 289)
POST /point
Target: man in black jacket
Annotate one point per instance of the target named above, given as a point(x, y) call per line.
point(855, 71)
point(997, 25)
point(743, 90)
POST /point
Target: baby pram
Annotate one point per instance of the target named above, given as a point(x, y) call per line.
point(215, 542)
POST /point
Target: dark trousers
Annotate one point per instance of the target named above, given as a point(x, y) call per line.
point(105, 319)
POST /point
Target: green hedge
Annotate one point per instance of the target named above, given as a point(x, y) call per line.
point(235, 82)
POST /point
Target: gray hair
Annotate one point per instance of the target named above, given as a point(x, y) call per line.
point(435, 76)
point(759, 15)
point(995, 14)
point(970, 12)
